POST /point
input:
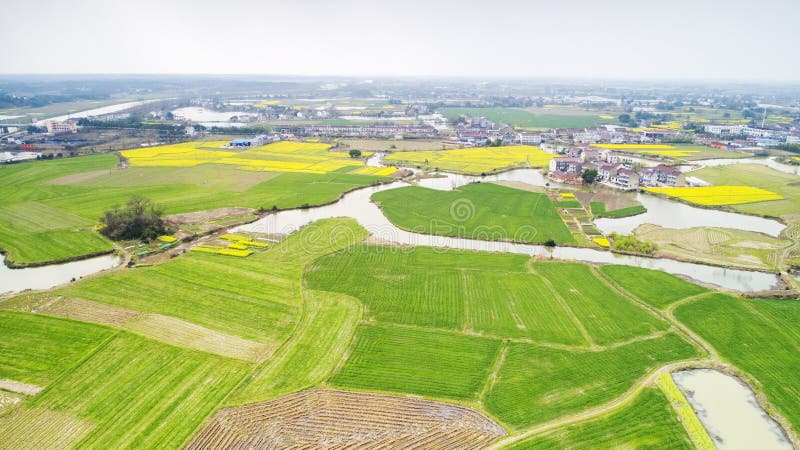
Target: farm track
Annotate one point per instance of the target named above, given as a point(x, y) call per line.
point(159, 327)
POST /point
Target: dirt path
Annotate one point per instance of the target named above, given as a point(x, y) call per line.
point(20, 387)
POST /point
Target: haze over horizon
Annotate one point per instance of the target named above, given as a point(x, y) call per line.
point(573, 38)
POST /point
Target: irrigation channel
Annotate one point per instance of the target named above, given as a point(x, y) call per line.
point(358, 206)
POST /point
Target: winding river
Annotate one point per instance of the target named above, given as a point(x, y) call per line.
point(358, 206)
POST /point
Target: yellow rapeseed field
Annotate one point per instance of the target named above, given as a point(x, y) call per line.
point(601, 241)
point(475, 160)
point(284, 156)
point(718, 195)
point(686, 413)
point(222, 250)
point(384, 171)
point(649, 149)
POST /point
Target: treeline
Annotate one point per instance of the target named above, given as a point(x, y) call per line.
point(13, 101)
point(632, 244)
point(130, 122)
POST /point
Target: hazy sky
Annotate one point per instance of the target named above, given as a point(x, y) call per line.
point(710, 39)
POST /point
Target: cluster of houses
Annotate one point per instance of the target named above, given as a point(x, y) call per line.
point(613, 169)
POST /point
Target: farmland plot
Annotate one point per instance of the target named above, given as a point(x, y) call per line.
point(478, 211)
point(48, 208)
point(654, 287)
point(607, 316)
point(331, 418)
point(648, 422)
point(36, 349)
point(133, 392)
point(474, 160)
point(536, 384)
point(418, 361)
point(491, 294)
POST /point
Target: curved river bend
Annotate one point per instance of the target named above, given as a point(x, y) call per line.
point(358, 206)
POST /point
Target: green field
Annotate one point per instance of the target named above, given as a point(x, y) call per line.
point(536, 384)
point(417, 361)
point(760, 337)
point(480, 211)
point(255, 298)
point(656, 288)
point(525, 119)
point(48, 208)
point(648, 422)
point(37, 349)
point(599, 210)
point(130, 393)
point(607, 316)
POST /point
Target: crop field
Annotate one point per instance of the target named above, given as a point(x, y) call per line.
point(599, 210)
point(281, 156)
point(381, 171)
point(654, 287)
point(760, 337)
point(417, 361)
point(481, 211)
point(48, 208)
point(312, 352)
point(755, 175)
point(648, 422)
point(678, 151)
point(378, 145)
point(474, 160)
point(526, 119)
point(37, 350)
point(133, 392)
point(325, 417)
point(255, 298)
point(607, 316)
point(535, 384)
point(718, 195)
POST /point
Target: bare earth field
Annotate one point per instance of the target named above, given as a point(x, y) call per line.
point(326, 418)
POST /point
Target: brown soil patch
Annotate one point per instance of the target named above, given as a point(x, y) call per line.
point(78, 178)
point(34, 428)
point(20, 387)
point(327, 418)
point(185, 334)
point(86, 311)
point(204, 216)
point(162, 328)
point(521, 186)
point(9, 400)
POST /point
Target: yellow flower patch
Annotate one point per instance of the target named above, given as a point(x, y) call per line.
point(222, 251)
point(718, 195)
point(601, 241)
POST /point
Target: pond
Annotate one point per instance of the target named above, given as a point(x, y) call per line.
point(669, 214)
point(46, 277)
point(729, 411)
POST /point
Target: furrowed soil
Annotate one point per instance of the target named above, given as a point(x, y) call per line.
point(325, 418)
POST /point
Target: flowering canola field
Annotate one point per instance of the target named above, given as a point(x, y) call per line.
point(475, 160)
point(718, 195)
point(281, 156)
point(650, 149)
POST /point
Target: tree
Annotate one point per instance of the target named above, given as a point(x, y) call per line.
point(624, 118)
point(355, 153)
point(589, 175)
point(169, 116)
point(139, 219)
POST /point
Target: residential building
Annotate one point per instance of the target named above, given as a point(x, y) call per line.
point(57, 127)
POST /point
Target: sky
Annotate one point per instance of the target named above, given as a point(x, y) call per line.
point(642, 39)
